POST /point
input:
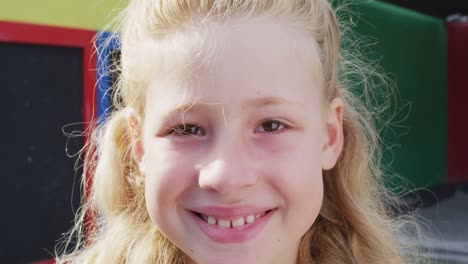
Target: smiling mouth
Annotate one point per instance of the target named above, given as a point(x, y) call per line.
point(238, 222)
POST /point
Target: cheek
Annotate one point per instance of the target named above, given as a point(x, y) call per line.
point(303, 189)
point(168, 175)
point(299, 178)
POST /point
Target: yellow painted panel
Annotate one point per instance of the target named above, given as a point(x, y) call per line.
point(85, 14)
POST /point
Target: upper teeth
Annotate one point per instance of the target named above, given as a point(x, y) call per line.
point(234, 223)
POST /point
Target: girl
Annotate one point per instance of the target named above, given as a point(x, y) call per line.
point(235, 139)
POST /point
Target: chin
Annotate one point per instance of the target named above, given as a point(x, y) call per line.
point(232, 258)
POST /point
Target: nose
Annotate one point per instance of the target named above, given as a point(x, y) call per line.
point(230, 171)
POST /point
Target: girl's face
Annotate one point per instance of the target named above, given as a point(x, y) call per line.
point(233, 158)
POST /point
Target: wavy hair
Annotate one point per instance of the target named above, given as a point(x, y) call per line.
point(355, 224)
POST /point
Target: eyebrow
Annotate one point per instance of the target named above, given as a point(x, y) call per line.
point(250, 103)
point(266, 101)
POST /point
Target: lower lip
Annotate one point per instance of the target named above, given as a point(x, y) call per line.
point(235, 234)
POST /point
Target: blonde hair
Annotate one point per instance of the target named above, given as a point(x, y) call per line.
point(355, 224)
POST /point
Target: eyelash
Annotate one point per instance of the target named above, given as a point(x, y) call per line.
point(182, 130)
point(278, 124)
point(195, 130)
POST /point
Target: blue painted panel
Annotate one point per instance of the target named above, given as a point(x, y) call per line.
point(106, 44)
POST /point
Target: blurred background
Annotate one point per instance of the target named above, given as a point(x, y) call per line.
point(48, 69)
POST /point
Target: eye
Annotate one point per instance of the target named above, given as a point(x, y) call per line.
point(186, 130)
point(270, 126)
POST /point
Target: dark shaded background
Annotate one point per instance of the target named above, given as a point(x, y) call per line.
point(438, 8)
point(41, 93)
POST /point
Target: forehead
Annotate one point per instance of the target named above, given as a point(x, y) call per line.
point(242, 59)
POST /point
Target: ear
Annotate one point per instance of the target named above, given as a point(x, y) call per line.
point(135, 125)
point(334, 138)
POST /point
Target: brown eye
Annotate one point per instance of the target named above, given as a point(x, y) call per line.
point(271, 126)
point(186, 130)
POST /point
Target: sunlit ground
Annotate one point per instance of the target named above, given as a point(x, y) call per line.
point(448, 225)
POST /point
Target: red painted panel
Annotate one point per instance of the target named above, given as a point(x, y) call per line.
point(48, 261)
point(45, 35)
point(457, 77)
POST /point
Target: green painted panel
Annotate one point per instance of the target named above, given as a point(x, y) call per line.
point(412, 48)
